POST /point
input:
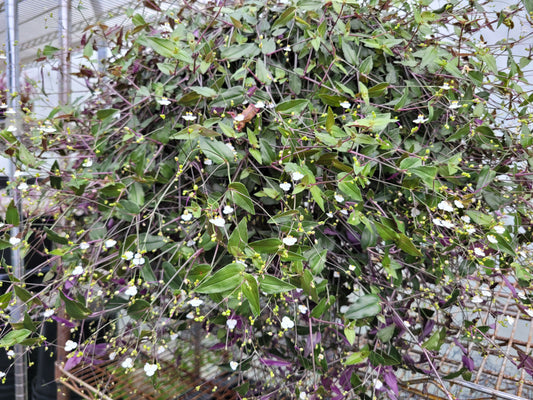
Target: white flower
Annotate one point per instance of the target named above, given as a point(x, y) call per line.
point(415, 212)
point(469, 229)
point(260, 104)
point(239, 118)
point(445, 206)
point(230, 146)
point(289, 240)
point(127, 363)
point(477, 299)
point(336, 274)
point(329, 214)
point(344, 212)
point(186, 216)
point(218, 221)
point(521, 294)
point(138, 259)
point(164, 101)
point(448, 224)
point(109, 243)
point(454, 104)
point(486, 293)
point(458, 204)
point(70, 345)
point(48, 313)
point(529, 312)
point(150, 369)
point(377, 384)
point(296, 176)
point(303, 309)
point(343, 309)
point(479, 252)
point(339, 198)
point(160, 350)
point(23, 186)
point(510, 319)
point(10, 112)
point(285, 186)
point(11, 128)
point(351, 267)
point(10, 353)
point(207, 161)
point(420, 119)
point(131, 291)
point(84, 245)
point(499, 229)
point(189, 117)
point(190, 315)
point(190, 243)
point(303, 395)
point(231, 323)
point(407, 324)
point(87, 163)
point(227, 209)
point(492, 239)
point(128, 255)
point(48, 129)
point(13, 240)
point(445, 86)
point(466, 219)
point(196, 302)
point(287, 323)
point(112, 356)
point(18, 173)
point(166, 28)
point(2, 374)
point(233, 365)
point(77, 271)
point(345, 104)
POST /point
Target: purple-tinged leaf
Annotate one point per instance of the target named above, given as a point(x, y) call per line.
point(526, 362)
point(468, 363)
point(72, 362)
point(428, 328)
point(390, 380)
point(274, 363)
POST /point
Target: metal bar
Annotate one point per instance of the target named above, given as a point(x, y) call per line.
point(64, 30)
point(13, 98)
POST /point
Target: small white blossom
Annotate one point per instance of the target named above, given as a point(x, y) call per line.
point(150, 369)
point(18, 173)
point(479, 252)
point(23, 186)
point(486, 293)
point(303, 309)
point(48, 313)
point(11, 128)
point(260, 104)
point(344, 212)
point(458, 204)
point(303, 395)
point(521, 294)
point(190, 243)
point(231, 323)
point(445, 206)
point(454, 105)
point(336, 274)
point(164, 101)
point(477, 299)
point(70, 345)
point(529, 312)
point(110, 243)
point(339, 198)
point(84, 245)
point(285, 186)
point(377, 384)
point(466, 219)
point(48, 129)
point(196, 302)
point(138, 259)
point(128, 255)
point(233, 365)
point(218, 221)
point(510, 320)
point(351, 267)
point(10, 112)
point(239, 118)
point(77, 271)
point(469, 229)
point(343, 309)
point(10, 353)
point(190, 315)
point(445, 86)
point(112, 356)
point(420, 119)
point(415, 212)
point(296, 176)
point(87, 163)
point(186, 216)
point(2, 374)
point(189, 117)
point(289, 240)
point(227, 209)
point(287, 323)
point(160, 349)
point(329, 214)
point(127, 363)
point(208, 161)
point(499, 229)
point(131, 291)
point(345, 104)
point(13, 240)
point(492, 239)
point(230, 146)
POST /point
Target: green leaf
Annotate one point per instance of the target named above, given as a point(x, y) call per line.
point(198, 272)
point(55, 176)
point(486, 176)
point(366, 66)
point(406, 244)
point(204, 91)
point(164, 47)
point(74, 309)
point(350, 335)
point(14, 337)
point(266, 246)
point(316, 193)
point(317, 261)
point(480, 218)
point(216, 151)
point(238, 239)
point(410, 162)
point(426, 173)
point(251, 292)
point(103, 114)
point(284, 18)
point(54, 237)
point(241, 197)
point(272, 285)
point(170, 276)
point(363, 91)
point(364, 307)
point(240, 51)
point(436, 340)
point(5, 299)
point(227, 278)
point(49, 50)
point(378, 90)
point(376, 123)
point(150, 242)
point(292, 106)
point(12, 214)
point(358, 357)
point(348, 186)
point(139, 309)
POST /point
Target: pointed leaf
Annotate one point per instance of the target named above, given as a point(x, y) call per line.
point(364, 307)
point(272, 285)
point(227, 278)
